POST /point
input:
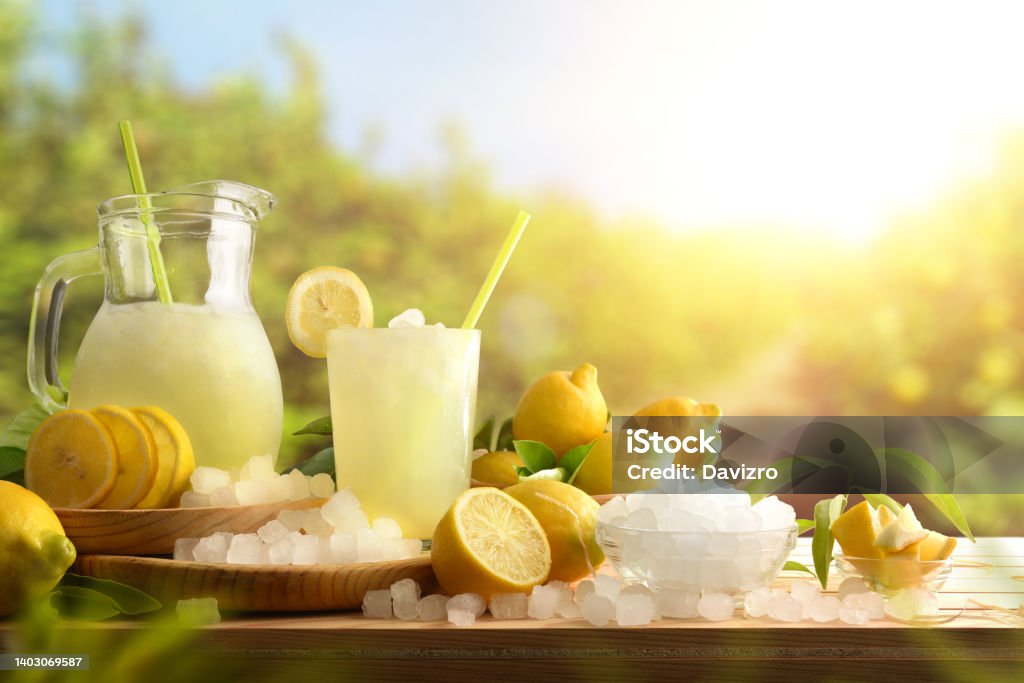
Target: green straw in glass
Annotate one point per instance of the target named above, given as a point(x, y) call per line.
point(156, 259)
point(497, 268)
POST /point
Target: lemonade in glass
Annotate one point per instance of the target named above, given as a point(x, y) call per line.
point(402, 407)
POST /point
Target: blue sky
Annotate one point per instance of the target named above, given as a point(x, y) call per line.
point(823, 116)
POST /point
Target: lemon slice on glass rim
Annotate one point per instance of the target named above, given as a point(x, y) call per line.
point(323, 299)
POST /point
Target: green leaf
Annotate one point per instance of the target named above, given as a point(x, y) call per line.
point(321, 427)
point(12, 459)
point(536, 456)
point(946, 504)
point(923, 475)
point(554, 474)
point(16, 477)
point(127, 599)
point(803, 525)
point(85, 604)
point(522, 472)
point(505, 439)
point(484, 435)
point(792, 565)
point(573, 458)
point(877, 500)
point(320, 463)
point(21, 427)
point(825, 511)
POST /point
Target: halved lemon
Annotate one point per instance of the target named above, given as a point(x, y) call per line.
point(175, 460)
point(323, 299)
point(487, 543)
point(71, 460)
point(137, 464)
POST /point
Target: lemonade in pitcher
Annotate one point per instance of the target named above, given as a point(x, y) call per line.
point(181, 335)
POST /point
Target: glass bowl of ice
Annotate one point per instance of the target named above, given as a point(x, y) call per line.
point(697, 542)
point(891, 574)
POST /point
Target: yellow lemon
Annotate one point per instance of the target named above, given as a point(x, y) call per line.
point(497, 468)
point(34, 552)
point(936, 546)
point(562, 410)
point(679, 405)
point(323, 299)
point(175, 460)
point(136, 462)
point(595, 474)
point(489, 543)
point(71, 461)
point(856, 531)
point(569, 518)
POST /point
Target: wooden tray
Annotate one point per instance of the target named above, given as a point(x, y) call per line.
point(153, 532)
point(259, 588)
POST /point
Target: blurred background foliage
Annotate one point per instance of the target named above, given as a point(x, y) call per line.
point(923, 320)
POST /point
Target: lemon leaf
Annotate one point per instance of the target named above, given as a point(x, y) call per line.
point(536, 455)
point(877, 500)
point(505, 441)
point(320, 427)
point(12, 459)
point(825, 511)
point(84, 604)
point(803, 525)
point(574, 458)
point(484, 435)
point(923, 475)
point(21, 427)
point(127, 599)
point(320, 463)
point(792, 565)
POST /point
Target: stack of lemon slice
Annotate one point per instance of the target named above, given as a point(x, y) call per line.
point(110, 457)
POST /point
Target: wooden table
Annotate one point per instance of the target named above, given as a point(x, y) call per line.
point(978, 645)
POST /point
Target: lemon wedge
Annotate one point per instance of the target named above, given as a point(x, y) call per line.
point(71, 461)
point(901, 532)
point(856, 531)
point(175, 460)
point(323, 299)
point(137, 464)
point(487, 543)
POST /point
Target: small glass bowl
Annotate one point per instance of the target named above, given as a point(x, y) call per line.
point(890, 574)
point(694, 561)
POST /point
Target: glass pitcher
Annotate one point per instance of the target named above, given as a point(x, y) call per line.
point(203, 356)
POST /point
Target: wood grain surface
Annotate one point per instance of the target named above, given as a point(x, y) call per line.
point(153, 532)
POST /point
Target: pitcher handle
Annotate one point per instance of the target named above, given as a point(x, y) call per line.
point(44, 331)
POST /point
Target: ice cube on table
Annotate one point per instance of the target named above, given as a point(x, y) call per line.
point(583, 589)
point(676, 604)
point(432, 608)
point(755, 603)
point(213, 548)
point(258, 468)
point(272, 532)
point(283, 549)
point(597, 609)
point(306, 550)
point(291, 519)
point(854, 616)
point(405, 597)
point(607, 586)
point(823, 609)
point(874, 604)
point(509, 605)
point(245, 549)
point(224, 497)
point(543, 602)
point(635, 609)
point(197, 612)
point(468, 601)
point(852, 585)
point(461, 617)
point(786, 608)
point(805, 592)
point(368, 546)
point(184, 547)
point(377, 604)
point(298, 486)
point(206, 480)
point(385, 527)
point(909, 604)
point(568, 608)
point(716, 606)
point(339, 506)
point(411, 317)
point(343, 548)
point(321, 485)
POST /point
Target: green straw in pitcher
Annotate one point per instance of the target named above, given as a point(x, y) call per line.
point(497, 268)
point(156, 259)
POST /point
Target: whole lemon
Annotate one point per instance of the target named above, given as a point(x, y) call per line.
point(34, 551)
point(569, 518)
point(562, 410)
point(595, 474)
point(497, 468)
point(690, 416)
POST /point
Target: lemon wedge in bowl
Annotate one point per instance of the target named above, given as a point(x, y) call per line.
point(323, 299)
